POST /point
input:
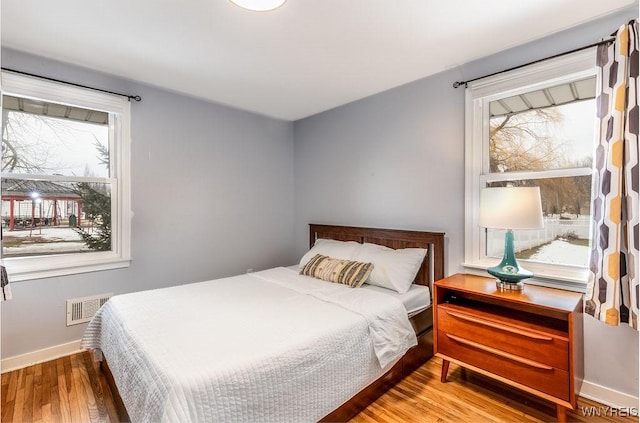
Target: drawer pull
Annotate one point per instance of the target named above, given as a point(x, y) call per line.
point(500, 327)
point(500, 353)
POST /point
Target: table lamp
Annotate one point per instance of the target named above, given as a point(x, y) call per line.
point(510, 208)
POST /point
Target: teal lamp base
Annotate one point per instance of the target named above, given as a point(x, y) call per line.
point(509, 273)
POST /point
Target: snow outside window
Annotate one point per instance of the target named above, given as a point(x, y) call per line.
point(535, 126)
point(65, 172)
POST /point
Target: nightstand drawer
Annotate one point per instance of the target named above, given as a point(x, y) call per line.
point(531, 373)
point(526, 342)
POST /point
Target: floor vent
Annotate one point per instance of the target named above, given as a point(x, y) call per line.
point(80, 310)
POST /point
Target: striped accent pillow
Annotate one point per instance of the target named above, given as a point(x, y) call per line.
point(346, 272)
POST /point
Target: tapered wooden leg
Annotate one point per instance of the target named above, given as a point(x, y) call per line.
point(561, 413)
point(445, 370)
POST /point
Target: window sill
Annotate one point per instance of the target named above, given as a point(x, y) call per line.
point(566, 278)
point(30, 268)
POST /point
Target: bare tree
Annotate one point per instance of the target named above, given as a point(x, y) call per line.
point(22, 148)
point(527, 141)
point(524, 141)
point(582, 197)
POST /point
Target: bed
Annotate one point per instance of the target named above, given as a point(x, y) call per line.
point(273, 345)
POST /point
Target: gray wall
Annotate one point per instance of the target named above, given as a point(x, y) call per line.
point(392, 160)
point(396, 159)
point(212, 195)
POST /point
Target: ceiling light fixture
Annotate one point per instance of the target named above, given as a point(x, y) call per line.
point(259, 5)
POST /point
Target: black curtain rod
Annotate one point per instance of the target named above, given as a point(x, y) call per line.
point(130, 97)
point(607, 41)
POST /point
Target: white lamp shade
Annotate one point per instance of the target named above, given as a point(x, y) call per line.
point(259, 5)
point(511, 208)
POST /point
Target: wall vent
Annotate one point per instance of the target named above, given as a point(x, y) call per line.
point(80, 310)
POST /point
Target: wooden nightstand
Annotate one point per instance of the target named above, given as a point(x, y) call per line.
point(531, 340)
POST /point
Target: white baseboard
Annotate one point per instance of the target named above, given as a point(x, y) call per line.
point(40, 356)
point(608, 396)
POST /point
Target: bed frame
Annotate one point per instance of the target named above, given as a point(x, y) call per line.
point(432, 269)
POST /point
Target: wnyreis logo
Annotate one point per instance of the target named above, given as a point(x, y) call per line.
point(605, 411)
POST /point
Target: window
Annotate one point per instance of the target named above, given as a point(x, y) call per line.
point(534, 126)
point(65, 179)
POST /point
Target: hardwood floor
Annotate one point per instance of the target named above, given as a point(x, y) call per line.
point(470, 397)
point(70, 389)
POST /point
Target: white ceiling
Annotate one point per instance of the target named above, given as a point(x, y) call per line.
point(303, 58)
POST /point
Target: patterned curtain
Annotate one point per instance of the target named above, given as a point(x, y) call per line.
point(612, 290)
point(5, 289)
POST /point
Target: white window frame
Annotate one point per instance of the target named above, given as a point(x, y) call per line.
point(479, 94)
point(119, 108)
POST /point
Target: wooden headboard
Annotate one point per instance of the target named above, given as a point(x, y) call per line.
point(432, 268)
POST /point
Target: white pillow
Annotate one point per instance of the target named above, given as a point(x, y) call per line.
point(332, 248)
point(392, 269)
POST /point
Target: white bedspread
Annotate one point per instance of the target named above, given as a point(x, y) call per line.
point(269, 346)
